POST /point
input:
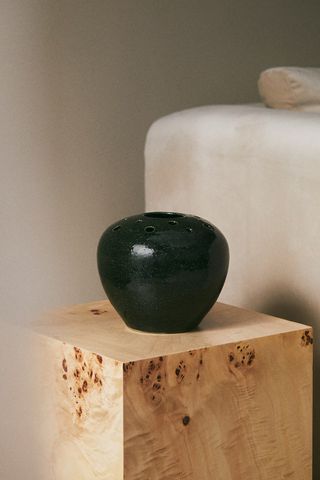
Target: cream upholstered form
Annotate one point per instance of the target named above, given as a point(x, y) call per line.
point(255, 173)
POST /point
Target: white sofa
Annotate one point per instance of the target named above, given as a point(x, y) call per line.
point(255, 173)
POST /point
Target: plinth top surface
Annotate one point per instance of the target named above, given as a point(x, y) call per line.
point(97, 327)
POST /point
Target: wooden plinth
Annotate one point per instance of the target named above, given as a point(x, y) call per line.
point(230, 401)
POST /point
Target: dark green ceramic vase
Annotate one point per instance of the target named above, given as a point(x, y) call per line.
point(163, 271)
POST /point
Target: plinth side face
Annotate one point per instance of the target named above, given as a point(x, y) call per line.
point(238, 411)
point(163, 271)
point(81, 399)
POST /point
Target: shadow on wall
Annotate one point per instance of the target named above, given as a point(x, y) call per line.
point(287, 304)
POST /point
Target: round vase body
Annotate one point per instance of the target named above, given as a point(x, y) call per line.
point(162, 271)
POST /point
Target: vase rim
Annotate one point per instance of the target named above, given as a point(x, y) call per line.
point(162, 214)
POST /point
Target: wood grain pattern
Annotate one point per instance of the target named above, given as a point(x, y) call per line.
point(82, 420)
point(98, 328)
point(240, 411)
point(229, 401)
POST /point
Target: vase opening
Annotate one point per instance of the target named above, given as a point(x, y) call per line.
point(208, 226)
point(149, 229)
point(163, 215)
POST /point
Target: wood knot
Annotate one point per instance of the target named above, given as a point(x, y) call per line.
point(186, 420)
point(306, 338)
point(243, 356)
point(64, 365)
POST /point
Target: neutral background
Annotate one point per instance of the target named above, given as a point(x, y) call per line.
point(81, 82)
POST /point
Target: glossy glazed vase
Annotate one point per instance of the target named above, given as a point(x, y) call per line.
point(162, 271)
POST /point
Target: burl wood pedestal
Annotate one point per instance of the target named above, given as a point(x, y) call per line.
point(230, 401)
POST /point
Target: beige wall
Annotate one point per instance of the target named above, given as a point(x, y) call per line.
point(81, 81)
point(80, 84)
